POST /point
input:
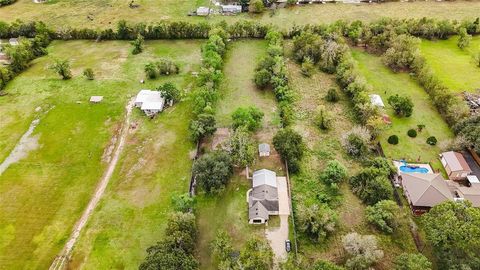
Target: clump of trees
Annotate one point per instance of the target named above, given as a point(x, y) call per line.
point(317, 221)
point(412, 261)
point(249, 118)
point(176, 250)
point(62, 68)
point(170, 92)
point(204, 125)
point(468, 131)
point(402, 106)
point(453, 229)
point(362, 251)
point(402, 52)
point(212, 171)
point(289, 144)
point(162, 67)
point(242, 148)
point(383, 215)
point(137, 44)
point(372, 185)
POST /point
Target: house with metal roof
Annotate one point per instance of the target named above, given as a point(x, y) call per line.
point(232, 9)
point(455, 164)
point(150, 102)
point(262, 197)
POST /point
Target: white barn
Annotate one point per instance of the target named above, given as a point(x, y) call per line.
point(150, 102)
point(231, 9)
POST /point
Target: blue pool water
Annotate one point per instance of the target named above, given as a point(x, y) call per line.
point(408, 169)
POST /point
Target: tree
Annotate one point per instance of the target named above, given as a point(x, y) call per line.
point(138, 44)
point(88, 73)
point(256, 6)
point(332, 95)
point(307, 67)
point(469, 129)
point(242, 148)
point(290, 146)
point(212, 171)
point(383, 215)
point(463, 38)
point(249, 118)
point(323, 119)
point(204, 125)
point(222, 249)
point(402, 53)
point(19, 55)
point(412, 133)
point(256, 255)
point(412, 261)
point(262, 78)
point(334, 173)
point(432, 140)
point(183, 202)
point(453, 229)
point(372, 185)
point(393, 139)
point(362, 251)
point(317, 221)
point(356, 142)
point(151, 71)
point(170, 92)
point(62, 68)
point(403, 106)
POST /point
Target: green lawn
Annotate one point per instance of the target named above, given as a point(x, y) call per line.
point(324, 146)
point(238, 89)
point(453, 66)
point(106, 13)
point(43, 195)
point(386, 83)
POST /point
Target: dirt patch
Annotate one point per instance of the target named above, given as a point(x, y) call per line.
point(26, 144)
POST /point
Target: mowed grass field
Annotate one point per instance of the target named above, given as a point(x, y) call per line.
point(322, 147)
point(387, 83)
point(43, 195)
point(454, 67)
point(106, 13)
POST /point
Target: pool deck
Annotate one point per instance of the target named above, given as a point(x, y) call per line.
point(398, 163)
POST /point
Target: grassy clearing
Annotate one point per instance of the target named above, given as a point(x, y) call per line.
point(453, 66)
point(105, 13)
point(323, 147)
point(387, 83)
point(44, 194)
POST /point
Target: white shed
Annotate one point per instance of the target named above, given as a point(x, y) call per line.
point(264, 150)
point(96, 99)
point(231, 9)
point(203, 11)
point(376, 100)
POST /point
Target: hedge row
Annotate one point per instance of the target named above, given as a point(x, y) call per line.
point(7, 2)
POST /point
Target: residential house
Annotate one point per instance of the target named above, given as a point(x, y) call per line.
point(456, 166)
point(263, 197)
point(150, 102)
point(425, 190)
point(264, 150)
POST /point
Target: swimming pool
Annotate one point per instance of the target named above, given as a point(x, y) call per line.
point(410, 169)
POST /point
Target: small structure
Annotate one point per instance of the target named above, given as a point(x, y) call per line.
point(386, 119)
point(376, 100)
point(262, 197)
point(231, 9)
point(96, 99)
point(455, 164)
point(264, 150)
point(470, 192)
point(150, 102)
point(13, 41)
point(425, 190)
point(203, 11)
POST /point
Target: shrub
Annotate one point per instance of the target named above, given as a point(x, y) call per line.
point(166, 67)
point(432, 140)
point(403, 106)
point(242, 148)
point(262, 78)
point(137, 44)
point(317, 221)
point(150, 71)
point(362, 251)
point(332, 95)
point(289, 144)
point(203, 125)
point(256, 6)
point(334, 173)
point(256, 254)
point(402, 52)
point(412, 261)
point(356, 142)
point(183, 203)
point(307, 67)
point(62, 68)
point(88, 73)
point(412, 133)
point(383, 215)
point(372, 185)
point(323, 119)
point(249, 118)
point(393, 139)
point(463, 38)
point(170, 92)
point(213, 171)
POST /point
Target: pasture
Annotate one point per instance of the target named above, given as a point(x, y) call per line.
point(44, 194)
point(454, 67)
point(386, 83)
point(106, 13)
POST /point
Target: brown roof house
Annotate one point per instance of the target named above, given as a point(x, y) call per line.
point(425, 190)
point(469, 192)
point(456, 166)
point(262, 197)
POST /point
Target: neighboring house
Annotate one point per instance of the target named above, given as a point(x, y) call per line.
point(455, 164)
point(13, 41)
point(376, 100)
point(262, 197)
point(234, 9)
point(150, 102)
point(264, 150)
point(470, 192)
point(203, 11)
point(425, 190)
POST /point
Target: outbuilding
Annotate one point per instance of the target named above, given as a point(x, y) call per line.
point(376, 100)
point(233, 9)
point(96, 99)
point(13, 41)
point(203, 11)
point(264, 150)
point(455, 164)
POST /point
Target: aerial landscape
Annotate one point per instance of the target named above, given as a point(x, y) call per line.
point(240, 135)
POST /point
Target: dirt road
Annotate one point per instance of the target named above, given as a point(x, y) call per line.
point(60, 261)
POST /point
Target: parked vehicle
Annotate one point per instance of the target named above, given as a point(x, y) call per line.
point(288, 245)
